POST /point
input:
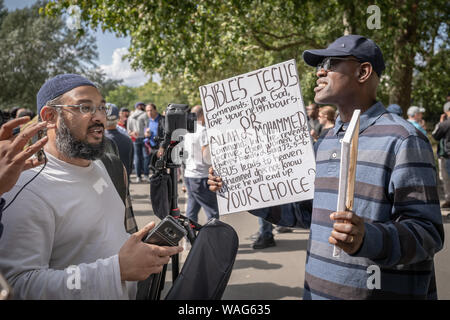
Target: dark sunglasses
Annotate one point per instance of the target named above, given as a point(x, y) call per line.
point(329, 63)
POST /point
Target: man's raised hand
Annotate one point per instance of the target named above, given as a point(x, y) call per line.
point(13, 158)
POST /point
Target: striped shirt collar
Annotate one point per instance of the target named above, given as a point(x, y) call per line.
point(366, 119)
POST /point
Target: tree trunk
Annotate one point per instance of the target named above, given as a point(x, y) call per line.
point(402, 80)
point(348, 15)
point(404, 54)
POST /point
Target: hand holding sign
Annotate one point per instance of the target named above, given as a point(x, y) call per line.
point(214, 182)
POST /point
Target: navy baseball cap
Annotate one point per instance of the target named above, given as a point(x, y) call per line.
point(59, 85)
point(113, 112)
point(395, 108)
point(138, 104)
point(365, 50)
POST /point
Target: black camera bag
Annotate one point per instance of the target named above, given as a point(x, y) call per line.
point(208, 266)
point(160, 193)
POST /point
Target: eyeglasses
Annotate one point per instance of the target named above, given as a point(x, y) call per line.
point(84, 108)
point(329, 65)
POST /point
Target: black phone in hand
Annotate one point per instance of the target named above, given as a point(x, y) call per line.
point(167, 233)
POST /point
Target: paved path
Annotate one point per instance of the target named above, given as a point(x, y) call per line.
point(273, 273)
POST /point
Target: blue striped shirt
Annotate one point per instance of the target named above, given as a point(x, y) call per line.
point(395, 194)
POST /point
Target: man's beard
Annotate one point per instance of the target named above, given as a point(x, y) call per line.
point(68, 145)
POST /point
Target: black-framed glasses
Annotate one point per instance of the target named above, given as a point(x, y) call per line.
point(330, 63)
point(84, 108)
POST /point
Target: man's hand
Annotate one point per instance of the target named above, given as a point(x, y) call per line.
point(138, 260)
point(13, 158)
point(443, 117)
point(133, 134)
point(214, 182)
point(313, 134)
point(348, 231)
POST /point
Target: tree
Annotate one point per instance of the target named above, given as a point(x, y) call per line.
point(36, 47)
point(196, 42)
point(104, 84)
point(122, 97)
point(161, 94)
point(3, 11)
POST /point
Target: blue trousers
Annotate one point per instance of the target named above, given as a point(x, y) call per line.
point(265, 228)
point(141, 158)
point(199, 196)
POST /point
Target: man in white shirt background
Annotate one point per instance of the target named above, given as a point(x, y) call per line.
point(196, 171)
point(70, 219)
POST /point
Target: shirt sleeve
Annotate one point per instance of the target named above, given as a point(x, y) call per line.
point(415, 232)
point(440, 130)
point(26, 252)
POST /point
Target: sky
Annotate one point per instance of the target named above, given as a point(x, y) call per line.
point(110, 51)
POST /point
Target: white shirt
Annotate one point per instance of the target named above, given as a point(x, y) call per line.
point(196, 165)
point(68, 215)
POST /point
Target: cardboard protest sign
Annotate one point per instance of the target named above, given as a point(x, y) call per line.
point(259, 138)
point(347, 173)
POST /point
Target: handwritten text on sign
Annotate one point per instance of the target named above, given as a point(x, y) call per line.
point(259, 139)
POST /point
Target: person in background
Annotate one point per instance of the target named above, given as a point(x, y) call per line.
point(123, 141)
point(415, 117)
point(396, 109)
point(124, 113)
point(196, 171)
point(313, 112)
point(441, 133)
point(25, 113)
point(13, 112)
point(153, 131)
point(326, 118)
point(137, 123)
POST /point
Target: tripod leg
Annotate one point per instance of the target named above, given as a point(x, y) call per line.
point(162, 279)
point(175, 267)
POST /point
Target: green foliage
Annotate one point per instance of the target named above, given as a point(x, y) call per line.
point(36, 47)
point(104, 84)
point(161, 94)
point(426, 92)
point(191, 43)
point(122, 97)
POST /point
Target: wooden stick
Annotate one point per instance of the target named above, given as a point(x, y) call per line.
point(352, 170)
point(347, 174)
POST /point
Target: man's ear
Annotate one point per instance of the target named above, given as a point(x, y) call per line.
point(50, 115)
point(364, 72)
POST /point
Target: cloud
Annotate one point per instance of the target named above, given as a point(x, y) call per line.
point(119, 69)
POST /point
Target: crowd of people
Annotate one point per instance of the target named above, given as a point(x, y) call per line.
point(73, 208)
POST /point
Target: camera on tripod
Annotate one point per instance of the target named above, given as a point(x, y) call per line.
point(178, 122)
